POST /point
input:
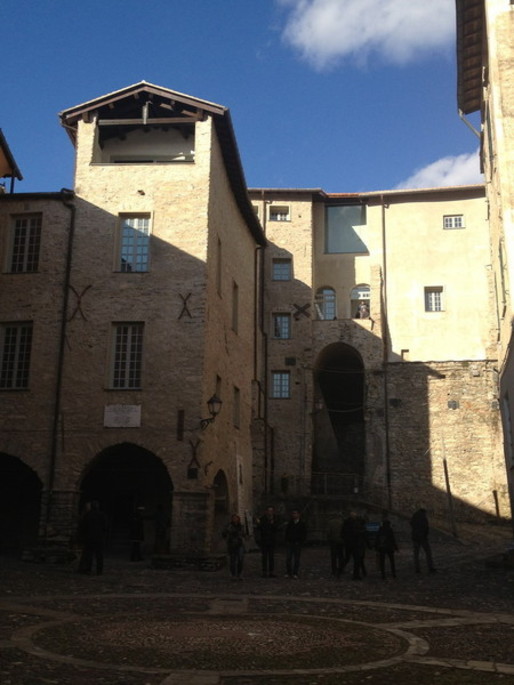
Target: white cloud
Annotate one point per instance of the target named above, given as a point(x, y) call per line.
point(326, 31)
point(459, 170)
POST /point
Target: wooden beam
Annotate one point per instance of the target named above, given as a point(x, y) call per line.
point(140, 122)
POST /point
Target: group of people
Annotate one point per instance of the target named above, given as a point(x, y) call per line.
point(348, 540)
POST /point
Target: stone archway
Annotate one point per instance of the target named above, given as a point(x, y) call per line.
point(20, 504)
point(339, 428)
point(123, 477)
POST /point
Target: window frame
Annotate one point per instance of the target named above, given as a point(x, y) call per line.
point(126, 366)
point(279, 213)
point(128, 266)
point(434, 299)
point(15, 355)
point(453, 222)
point(322, 303)
point(20, 257)
point(280, 386)
point(276, 270)
point(276, 325)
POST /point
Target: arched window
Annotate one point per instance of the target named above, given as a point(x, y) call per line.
point(360, 301)
point(325, 304)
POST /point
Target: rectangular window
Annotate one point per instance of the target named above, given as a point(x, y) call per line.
point(127, 355)
point(282, 326)
point(453, 221)
point(15, 348)
point(279, 213)
point(434, 299)
point(341, 235)
point(134, 243)
point(237, 407)
point(280, 384)
point(235, 306)
point(25, 243)
point(281, 270)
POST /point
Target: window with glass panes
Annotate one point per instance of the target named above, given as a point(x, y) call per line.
point(127, 355)
point(282, 326)
point(26, 241)
point(15, 350)
point(281, 270)
point(453, 221)
point(134, 243)
point(434, 299)
point(280, 384)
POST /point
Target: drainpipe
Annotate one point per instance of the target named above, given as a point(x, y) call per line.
point(66, 197)
point(385, 358)
point(265, 351)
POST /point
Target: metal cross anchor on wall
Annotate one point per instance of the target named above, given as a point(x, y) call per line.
point(78, 303)
point(185, 309)
point(301, 311)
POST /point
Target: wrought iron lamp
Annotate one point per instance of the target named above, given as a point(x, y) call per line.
point(214, 406)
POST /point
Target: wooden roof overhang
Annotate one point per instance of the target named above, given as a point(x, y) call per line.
point(144, 104)
point(8, 166)
point(470, 54)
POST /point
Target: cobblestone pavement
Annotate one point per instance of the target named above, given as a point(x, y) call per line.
point(138, 626)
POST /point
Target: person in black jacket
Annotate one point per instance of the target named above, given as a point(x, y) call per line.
point(420, 530)
point(295, 536)
point(234, 535)
point(266, 538)
point(91, 534)
point(355, 537)
point(386, 547)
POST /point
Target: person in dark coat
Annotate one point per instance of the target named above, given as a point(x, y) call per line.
point(295, 536)
point(420, 530)
point(91, 534)
point(335, 540)
point(386, 547)
point(266, 538)
point(355, 539)
point(137, 534)
point(234, 534)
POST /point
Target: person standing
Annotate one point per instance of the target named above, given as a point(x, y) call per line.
point(266, 537)
point(386, 547)
point(92, 531)
point(234, 535)
point(295, 536)
point(420, 530)
point(356, 540)
point(335, 541)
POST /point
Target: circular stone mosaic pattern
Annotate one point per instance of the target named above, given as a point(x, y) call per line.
point(243, 642)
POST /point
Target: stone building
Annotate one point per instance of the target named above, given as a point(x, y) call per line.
point(380, 333)
point(485, 52)
point(173, 341)
point(126, 305)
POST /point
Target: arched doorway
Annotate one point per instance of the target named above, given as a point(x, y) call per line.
point(339, 429)
point(20, 504)
point(122, 478)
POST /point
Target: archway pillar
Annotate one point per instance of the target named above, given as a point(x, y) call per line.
point(59, 513)
point(192, 521)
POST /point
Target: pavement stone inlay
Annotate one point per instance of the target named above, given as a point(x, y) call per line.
point(246, 635)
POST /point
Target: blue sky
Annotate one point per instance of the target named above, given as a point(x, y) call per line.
point(345, 95)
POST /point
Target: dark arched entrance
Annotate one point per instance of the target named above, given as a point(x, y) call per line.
point(122, 478)
point(339, 429)
point(20, 504)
